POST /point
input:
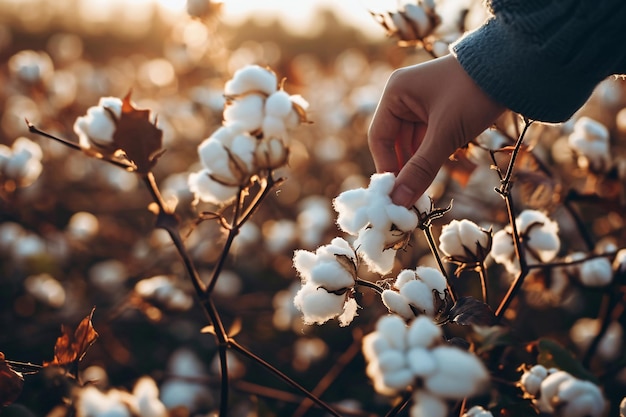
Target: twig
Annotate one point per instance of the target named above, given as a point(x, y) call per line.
point(237, 347)
point(435, 252)
point(403, 402)
point(483, 282)
point(332, 374)
point(505, 192)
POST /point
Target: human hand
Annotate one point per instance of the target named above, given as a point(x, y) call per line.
point(426, 112)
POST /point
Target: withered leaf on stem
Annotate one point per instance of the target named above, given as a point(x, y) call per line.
point(138, 137)
point(11, 383)
point(460, 166)
point(71, 348)
point(470, 311)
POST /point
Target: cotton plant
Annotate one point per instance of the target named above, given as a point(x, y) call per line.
point(328, 278)
point(609, 347)
point(465, 243)
point(380, 227)
point(539, 239)
point(593, 272)
point(590, 141)
point(95, 129)
point(556, 391)
point(401, 356)
point(416, 292)
point(20, 163)
point(253, 138)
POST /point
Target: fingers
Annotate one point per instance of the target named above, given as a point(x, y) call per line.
point(420, 170)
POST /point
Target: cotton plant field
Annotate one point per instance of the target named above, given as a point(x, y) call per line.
point(191, 225)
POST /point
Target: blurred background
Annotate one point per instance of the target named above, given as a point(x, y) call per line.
point(75, 233)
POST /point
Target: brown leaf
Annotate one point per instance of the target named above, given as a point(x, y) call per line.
point(460, 166)
point(71, 348)
point(11, 383)
point(139, 138)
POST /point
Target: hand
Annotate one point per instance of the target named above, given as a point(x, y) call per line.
point(426, 112)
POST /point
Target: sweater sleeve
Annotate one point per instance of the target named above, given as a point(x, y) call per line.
point(543, 59)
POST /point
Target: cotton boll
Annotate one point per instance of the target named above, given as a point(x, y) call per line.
point(550, 388)
point(397, 304)
point(146, 393)
point(431, 277)
point(580, 399)
point(278, 104)
point(419, 296)
point(419, 19)
point(31, 66)
point(393, 329)
point(398, 380)
point(423, 333)
point(459, 374)
point(421, 361)
point(332, 276)
point(532, 378)
point(245, 113)
point(585, 330)
point(391, 360)
point(317, 305)
point(251, 78)
point(208, 190)
point(347, 204)
point(97, 127)
point(596, 272)
point(46, 289)
point(477, 411)
point(426, 404)
point(370, 246)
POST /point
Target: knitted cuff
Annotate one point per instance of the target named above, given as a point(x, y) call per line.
point(518, 75)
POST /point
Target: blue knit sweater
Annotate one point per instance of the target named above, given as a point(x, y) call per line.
point(543, 58)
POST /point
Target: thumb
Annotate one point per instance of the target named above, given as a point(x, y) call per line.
point(420, 171)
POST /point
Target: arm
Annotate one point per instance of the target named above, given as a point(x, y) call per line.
point(541, 59)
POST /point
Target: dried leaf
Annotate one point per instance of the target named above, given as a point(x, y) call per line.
point(71, 348)
point(468, 311)
point(139, 138)
point(460, 166)
point(11, 383)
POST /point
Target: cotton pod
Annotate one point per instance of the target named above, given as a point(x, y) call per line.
point(270, 153)
point(146, 395)
point(206, 189)
point(229, 161)
point(252, 78)
point(21, 162)
point(477, 411)
point(539, 237)
point(596, 272)
point(464, 242)
point(91, 402)
point(585, 330)
point(31, 66)
point(590, 141)
point(532, 378)
point(245, 114)
point(426, 404)
point(96, 128)
point(418, 18)
point(423, 333)
point(577, 398)
point(419, 291)
point(381, 227)
point(318, 305)
point(459, 374)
